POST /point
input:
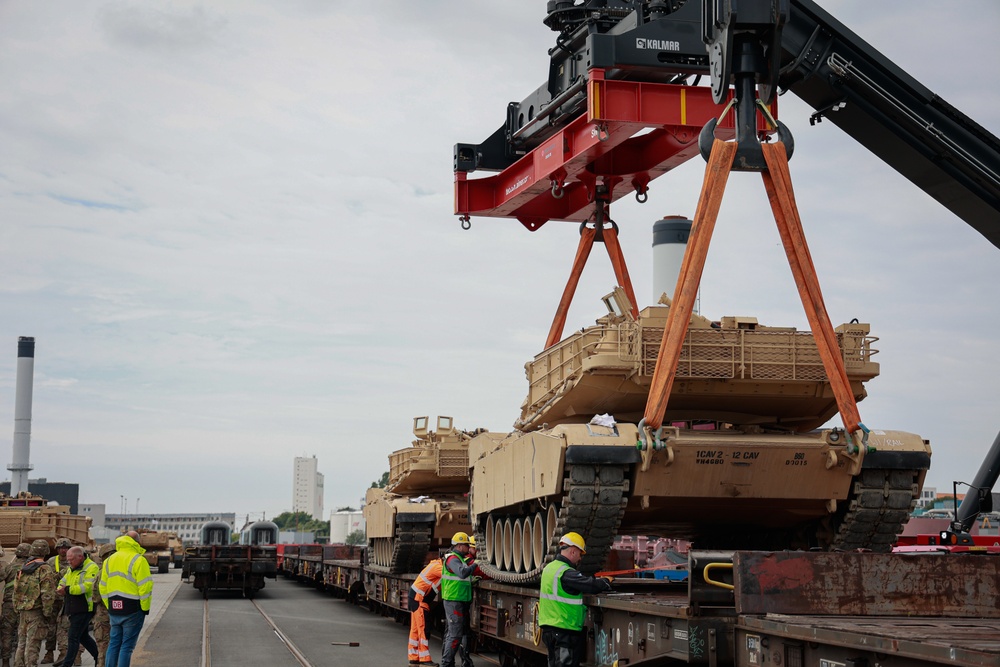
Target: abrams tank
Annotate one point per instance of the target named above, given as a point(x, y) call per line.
point(740, 464)
point(425, 501)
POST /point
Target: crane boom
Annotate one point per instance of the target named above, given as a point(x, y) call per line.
point(649, 54)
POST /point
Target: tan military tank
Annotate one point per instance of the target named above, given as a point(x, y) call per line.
point(739, 464)
point(425, 502)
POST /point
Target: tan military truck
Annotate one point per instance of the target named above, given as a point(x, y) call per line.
point(27, 517)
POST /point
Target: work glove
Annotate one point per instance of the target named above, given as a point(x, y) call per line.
point(476, 580)
point(608, 581)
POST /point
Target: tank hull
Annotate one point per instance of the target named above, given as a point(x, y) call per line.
point(720, 489)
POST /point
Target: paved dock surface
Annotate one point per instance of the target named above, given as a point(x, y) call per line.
point(240, 635)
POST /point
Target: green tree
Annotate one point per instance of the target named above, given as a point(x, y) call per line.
point(382, 483)
point(348, 508)
point(355, 538)
point(292, 520)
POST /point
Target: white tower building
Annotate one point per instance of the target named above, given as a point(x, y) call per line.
point(307, 487)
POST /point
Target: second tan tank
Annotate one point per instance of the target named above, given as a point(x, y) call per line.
point(425, 501)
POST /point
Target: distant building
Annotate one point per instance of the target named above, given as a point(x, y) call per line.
point(307, 487)
point(96, 513)
point(344, 523)
point(62, 493)
point(927, 497)
point(187, 526)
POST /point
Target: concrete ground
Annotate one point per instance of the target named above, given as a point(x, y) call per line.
point(311, 620)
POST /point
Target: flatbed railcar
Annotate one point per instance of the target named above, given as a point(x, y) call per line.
point(216, 564)
point(742, 609)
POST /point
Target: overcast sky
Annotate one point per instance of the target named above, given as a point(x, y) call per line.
point(229, 227)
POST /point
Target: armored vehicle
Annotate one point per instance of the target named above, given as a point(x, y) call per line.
point(425, 501)
point(28, 517)
point(739, 463)
point(157, 546)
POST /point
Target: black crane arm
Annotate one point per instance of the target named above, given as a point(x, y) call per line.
point(937, 147)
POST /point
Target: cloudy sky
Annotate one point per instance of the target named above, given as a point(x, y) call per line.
point(229, 227)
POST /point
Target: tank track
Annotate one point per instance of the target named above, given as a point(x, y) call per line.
point(879, 506)
point(594, 499)
point(409, 550)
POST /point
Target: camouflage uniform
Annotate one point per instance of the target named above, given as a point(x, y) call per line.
point(8, 617)
point(58, 630)
point(34, 595)
point(101, 622)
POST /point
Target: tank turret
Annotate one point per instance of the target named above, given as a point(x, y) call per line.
point(425, 501)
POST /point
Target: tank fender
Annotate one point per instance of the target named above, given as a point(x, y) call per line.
point(601, 454)
point(897, 450)
point(416, 517)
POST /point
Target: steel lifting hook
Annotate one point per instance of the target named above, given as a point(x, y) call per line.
point(466, 223)
point(557, 189)
point(642, 195)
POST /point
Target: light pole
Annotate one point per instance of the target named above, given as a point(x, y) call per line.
point(137, 506)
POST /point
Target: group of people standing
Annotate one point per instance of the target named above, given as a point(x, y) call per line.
point(59, 599)
point(561, 612)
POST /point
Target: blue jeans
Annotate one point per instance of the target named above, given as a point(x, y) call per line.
point(125, 630)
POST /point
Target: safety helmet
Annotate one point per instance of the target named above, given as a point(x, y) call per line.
point(39, 548)
point(459, 538)
point(472, 540)
point(574, 540)
point(63, 543)
point(23, 550)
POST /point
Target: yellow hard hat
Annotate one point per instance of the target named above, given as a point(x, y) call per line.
point(574, 540)
point(472, 540)
point(460, 538)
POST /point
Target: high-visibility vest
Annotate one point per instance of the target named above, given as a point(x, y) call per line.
point(556, 607)
point(454, 587)
point(126, 584)
point(428, 579)
point(81, 581)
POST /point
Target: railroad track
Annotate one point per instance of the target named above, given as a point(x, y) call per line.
point(206, 638)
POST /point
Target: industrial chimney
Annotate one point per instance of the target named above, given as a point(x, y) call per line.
point(19, 466)
point(670, 237)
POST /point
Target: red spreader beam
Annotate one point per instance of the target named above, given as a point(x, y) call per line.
point(599, 145)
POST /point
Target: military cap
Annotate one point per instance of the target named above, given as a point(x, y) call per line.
point(23, 550)
point(39, 548)
point(63, 543)
point(106, 550)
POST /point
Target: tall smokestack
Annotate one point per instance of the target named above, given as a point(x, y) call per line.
point(670, 237)
point(19, 466)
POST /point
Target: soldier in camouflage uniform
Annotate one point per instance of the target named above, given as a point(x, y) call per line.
point(8, 617)
point(101, 622)
point(34, 594)
point(57, 636)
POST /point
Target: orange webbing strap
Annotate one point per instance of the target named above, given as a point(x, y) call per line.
point(582, 253)
point(679, 317)
point(621, 270)
point(778, 183)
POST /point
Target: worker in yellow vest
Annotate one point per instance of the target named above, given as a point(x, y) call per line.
point(561, 613)
point(456, 591)
point(422, 593)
